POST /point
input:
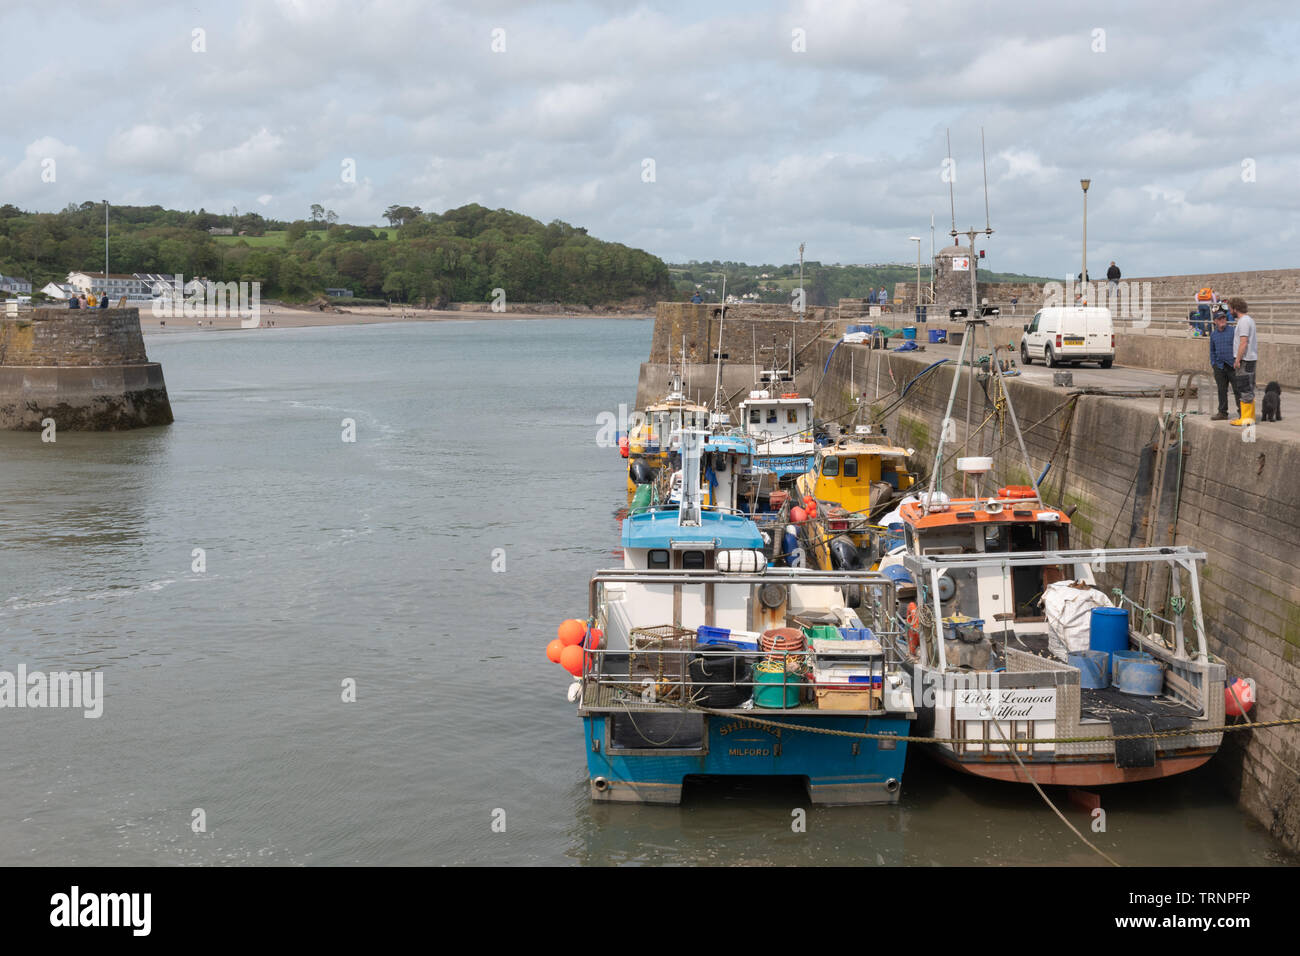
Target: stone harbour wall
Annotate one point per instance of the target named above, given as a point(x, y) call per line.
point(1238, 504)
point(84, 368)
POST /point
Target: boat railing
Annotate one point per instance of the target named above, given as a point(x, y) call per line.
point(659, 672)
point(655, 669)
point(926, 570)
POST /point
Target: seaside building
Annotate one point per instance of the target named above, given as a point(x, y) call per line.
point(59, 290)
point(114, 284)
point(15, 285)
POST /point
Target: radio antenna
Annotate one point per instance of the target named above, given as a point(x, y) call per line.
point(952, 205)
point(988, 229)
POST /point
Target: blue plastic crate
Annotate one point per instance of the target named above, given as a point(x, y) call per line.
point(857, 634)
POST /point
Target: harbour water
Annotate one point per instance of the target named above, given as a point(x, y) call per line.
point(231, 574)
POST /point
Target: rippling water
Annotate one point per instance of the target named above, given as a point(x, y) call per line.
point(372, 560)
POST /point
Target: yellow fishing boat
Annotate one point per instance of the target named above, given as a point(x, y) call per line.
point(651, 441)
point(851, 481)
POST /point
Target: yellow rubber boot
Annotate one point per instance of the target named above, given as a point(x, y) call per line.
point(1247, 414)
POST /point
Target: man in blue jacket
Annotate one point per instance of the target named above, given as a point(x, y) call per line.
point(1222, 357)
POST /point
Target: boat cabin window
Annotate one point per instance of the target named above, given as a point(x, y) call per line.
point(754, 417)
point(719, 462)
point(850, 468)
point(830, 467)
point(792, 416)
point(657, 560)
point(771, 416)
point(994, 539)
point(693, 561)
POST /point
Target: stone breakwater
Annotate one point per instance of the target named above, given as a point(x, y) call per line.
point(85, 369)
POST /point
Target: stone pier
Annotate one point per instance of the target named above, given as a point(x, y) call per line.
point(84, 368)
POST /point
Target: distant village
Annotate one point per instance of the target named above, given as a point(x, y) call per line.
point(135, 287)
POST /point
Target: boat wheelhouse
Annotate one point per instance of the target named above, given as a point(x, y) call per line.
point(852, 481)
point(780, 423)
point(650, 445)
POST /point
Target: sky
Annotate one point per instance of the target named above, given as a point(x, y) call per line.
point(720, 130)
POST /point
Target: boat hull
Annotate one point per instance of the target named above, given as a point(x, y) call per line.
point(1062, 772)
point(836, 770)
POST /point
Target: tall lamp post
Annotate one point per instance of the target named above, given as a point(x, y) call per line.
point(105, 290)
point(1083, 276)
point(917, 240)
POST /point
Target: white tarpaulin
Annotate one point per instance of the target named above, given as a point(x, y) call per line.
point(1068, 609)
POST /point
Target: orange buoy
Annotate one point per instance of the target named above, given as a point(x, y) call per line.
point(1016, 491)
point(623, 446)
point(798, 515)
point(1243, 693)
point(553, 650)
point(571, 660)
point(810, 506)
point(572, 631)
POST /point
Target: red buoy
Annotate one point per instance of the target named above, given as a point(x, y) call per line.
point(798, 515)
point(1244, 693)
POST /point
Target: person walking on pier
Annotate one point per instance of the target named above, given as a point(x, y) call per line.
point(1222, 358)
point(1247, 354)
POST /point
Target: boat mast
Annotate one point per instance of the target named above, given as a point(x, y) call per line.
point(974, 319)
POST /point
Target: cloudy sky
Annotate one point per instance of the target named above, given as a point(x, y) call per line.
point(729, 130)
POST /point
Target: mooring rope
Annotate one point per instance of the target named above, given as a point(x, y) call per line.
point(912, 738)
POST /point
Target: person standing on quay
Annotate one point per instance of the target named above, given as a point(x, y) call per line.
point(1247, 354)
point(1222, 359)
point(1112, 278)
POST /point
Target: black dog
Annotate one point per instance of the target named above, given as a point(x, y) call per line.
point(1272, 408)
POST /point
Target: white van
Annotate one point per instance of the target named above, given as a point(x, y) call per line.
point(1062, 334)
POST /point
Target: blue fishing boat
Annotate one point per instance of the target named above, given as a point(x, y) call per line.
point(709, 662)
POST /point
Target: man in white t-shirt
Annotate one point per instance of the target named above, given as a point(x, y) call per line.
point(1246, 354)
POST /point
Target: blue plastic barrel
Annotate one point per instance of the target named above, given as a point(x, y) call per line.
point(897, 573)
point(1108, 631)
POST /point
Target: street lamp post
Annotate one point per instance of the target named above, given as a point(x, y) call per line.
point(1083, 277)
point(105, 290)
point(917, 240)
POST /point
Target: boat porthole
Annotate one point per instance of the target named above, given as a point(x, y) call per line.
point(892, 784)
point(601, 784)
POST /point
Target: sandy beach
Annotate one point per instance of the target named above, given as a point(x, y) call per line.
point(282, 316)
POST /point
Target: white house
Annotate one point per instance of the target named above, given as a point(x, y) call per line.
point(59, 290)
point(15, 284)
point(115, 284)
